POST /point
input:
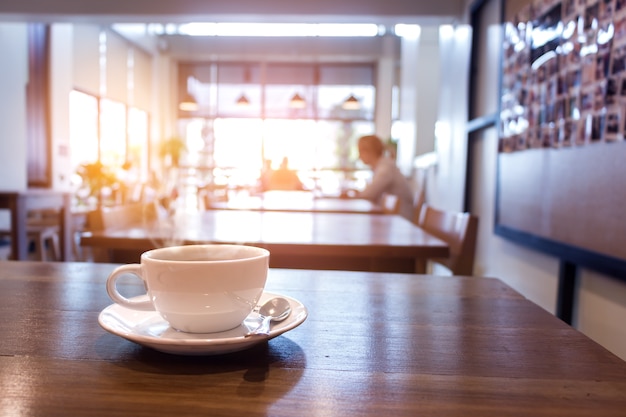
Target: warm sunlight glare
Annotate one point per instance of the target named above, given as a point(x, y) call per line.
point(113, 131)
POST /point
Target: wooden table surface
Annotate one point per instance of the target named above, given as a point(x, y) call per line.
point(374, 344)
point(297, 201)
point(308, 240)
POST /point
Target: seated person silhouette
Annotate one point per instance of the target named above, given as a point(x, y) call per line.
point(283, 178)
point(387, 178)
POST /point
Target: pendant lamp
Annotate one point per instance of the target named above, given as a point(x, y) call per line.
point(351, 103)
point(243, 101)
point(297, 102)
point(188, 103)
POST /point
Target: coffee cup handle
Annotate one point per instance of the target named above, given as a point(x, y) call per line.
point(132, 269)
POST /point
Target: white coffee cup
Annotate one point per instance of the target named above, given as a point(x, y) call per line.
point(198, 288)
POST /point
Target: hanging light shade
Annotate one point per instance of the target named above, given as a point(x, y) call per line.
point(243, 101)
point(351, 103)
point(297, 102)
point(188, 103)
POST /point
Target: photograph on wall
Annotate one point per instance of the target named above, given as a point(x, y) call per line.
point(597, 126)
point(591, 20)
point(569, 132)
point(614, 124)
point(564, 81)
point(612, 90)
point(583, 129)
point(618, 56)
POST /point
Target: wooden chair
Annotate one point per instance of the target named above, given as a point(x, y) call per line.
point(46, 242)
point(43, 228)
point(419, 200)
point(391, 204)
point(459, 230)
point(120, 217)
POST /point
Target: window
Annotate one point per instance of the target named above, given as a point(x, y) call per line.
point(137, 157)
point(318, 137)
point(83, 128)
point(112, 133)
point(109, 132)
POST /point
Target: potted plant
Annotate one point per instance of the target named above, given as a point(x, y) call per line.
point(95, 177)
point(171, 151)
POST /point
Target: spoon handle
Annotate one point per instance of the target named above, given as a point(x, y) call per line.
point(263, 329)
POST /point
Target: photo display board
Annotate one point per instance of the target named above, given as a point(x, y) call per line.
point(562, 153)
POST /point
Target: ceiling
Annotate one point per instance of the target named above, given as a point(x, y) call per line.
point(382, 12)
point(346, 11)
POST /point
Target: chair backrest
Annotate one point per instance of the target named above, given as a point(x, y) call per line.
point(419, 199)
point(119, 217)
point(391, 204)
point(43, 217)
point(459, 230)
point(122, 216)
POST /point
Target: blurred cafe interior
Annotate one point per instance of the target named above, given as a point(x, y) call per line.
point(161, 100)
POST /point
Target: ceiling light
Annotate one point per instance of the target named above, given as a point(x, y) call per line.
point(297, 102)
point(243, 101)
point(351, 103)
point(275, 29)
point(188, 103)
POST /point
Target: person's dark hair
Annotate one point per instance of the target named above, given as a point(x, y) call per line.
point(372, 143)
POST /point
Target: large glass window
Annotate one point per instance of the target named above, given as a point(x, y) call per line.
point(112, 133)
point(238, 149)
point(108, 146)
point(137, 157)
point(291, 110)
point(83, 128)
point(323, 152)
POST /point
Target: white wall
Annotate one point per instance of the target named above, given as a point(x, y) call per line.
point(13, 80)
point(427, 75)
point(602, 311)
point(406, 130)
point(385, 78)
point(419, 96)
point(446, 185)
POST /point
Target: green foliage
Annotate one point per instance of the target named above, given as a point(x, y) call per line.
point(173, 148)
point(96, 176)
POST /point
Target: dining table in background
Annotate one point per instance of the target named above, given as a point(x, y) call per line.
point(307, 240)
point(373, 344)
point(296, 201)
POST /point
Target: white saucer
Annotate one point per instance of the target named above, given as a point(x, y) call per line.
point(149, 329)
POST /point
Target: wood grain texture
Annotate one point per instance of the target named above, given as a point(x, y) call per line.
point(373, 344)
point(308, 240)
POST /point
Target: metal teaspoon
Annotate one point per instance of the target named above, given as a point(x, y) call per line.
point(274, 310)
